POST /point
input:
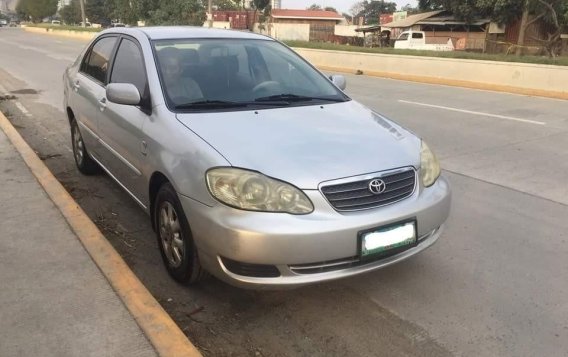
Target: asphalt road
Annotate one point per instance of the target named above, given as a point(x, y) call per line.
point(495, 284)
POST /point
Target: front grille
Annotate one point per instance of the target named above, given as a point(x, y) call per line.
point(253, 270)
point(356, 195)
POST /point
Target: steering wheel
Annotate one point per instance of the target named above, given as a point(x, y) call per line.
point(268, 86)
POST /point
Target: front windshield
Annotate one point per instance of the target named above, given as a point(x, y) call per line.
point(199, 74)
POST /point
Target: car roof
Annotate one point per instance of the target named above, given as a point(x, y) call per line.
point(177, 32)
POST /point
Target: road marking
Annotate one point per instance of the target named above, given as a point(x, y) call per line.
point(474, 113)
point(23, 109)
point(35, 49)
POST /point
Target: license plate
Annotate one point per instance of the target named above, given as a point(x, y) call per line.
point(382, 240)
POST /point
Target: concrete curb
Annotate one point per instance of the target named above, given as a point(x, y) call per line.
point(79, 35)
point(453, 83)
point(162, 332)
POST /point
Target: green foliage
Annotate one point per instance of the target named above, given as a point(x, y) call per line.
point(559, 61)
point(330, 8)
point(228, 5)
point(123, 11)
point(371, 10)
point(71, 14)
point(97, 12)
point(37, 10)
point(177, 12)
point(260, 4)
point(314, 7)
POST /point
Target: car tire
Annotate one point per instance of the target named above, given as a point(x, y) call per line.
point(83, 160)
point(175, 239)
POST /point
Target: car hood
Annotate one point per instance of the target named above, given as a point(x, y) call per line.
point(307, 145)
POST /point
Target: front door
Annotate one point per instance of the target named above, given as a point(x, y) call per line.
point(120, 125)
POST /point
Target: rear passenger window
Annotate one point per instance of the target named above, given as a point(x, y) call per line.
point(97, 60)
point(417, 35)
point(128, 66)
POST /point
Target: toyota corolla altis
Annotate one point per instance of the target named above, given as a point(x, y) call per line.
point(252, 165)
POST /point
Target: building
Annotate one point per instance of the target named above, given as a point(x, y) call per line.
point(276, 4)
point(440, 26)
point(308, 25)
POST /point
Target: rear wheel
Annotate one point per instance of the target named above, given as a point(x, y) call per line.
point(174, 238)
point(83, 161)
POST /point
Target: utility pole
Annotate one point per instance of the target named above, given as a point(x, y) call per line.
point(84, 23)
point(210, 13)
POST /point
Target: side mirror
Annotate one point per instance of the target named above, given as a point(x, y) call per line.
point(123, 93)
point(339, 81)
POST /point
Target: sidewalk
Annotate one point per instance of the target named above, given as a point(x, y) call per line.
point(54, 301)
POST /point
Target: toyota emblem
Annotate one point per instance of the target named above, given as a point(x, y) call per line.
point(377, 186)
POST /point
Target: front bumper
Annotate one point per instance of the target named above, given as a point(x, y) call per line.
point(292, 242)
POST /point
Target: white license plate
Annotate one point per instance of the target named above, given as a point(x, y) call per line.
point(388, 238)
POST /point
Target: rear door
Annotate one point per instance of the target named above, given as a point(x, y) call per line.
point(89, 87)
point(120, 126)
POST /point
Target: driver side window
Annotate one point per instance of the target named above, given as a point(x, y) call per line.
point(129, 67)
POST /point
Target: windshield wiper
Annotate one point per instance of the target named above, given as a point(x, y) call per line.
point(296, 98)
point(214, 104)
point(210, 104)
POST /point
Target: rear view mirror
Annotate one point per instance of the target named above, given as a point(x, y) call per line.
point(123, 93)
point(339, 81)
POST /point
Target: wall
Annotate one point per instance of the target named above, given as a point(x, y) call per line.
point(85, 35)
point(522, 78)
point(284, 32)
point(219, 24)
point(347, 30)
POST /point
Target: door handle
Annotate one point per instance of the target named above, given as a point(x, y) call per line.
point(76, 85)
point(102, 103)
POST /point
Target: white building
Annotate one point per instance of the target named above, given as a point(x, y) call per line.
point(276, 4)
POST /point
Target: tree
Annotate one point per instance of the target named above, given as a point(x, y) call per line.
point(37, 10)
point(330, 8)
point(552, 12)
point(314, 7)
point(371, 10)
point(226, 4)
point(409, 8)
point(125, 11)
point(264, 7)
point(178, 12)
point(71, 14)
point(96, 12)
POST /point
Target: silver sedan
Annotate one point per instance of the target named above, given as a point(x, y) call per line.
point(252, 165)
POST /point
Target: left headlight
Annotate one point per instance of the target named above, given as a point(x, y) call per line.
point(429, 166)
point(253, 191)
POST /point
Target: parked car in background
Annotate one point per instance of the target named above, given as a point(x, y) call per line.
point(3, 23)
point(252, 165)
point(416, 40)
point(56, 22)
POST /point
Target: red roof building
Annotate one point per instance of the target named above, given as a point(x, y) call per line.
point(305, 15)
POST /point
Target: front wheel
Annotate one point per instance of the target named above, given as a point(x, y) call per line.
point(174, 238)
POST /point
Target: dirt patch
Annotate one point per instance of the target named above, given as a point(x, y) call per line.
point(25, 91)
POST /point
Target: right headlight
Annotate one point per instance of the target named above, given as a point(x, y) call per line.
point(429, 166)
point(250, 190)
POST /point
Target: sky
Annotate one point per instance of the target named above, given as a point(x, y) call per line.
point(340, 5)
